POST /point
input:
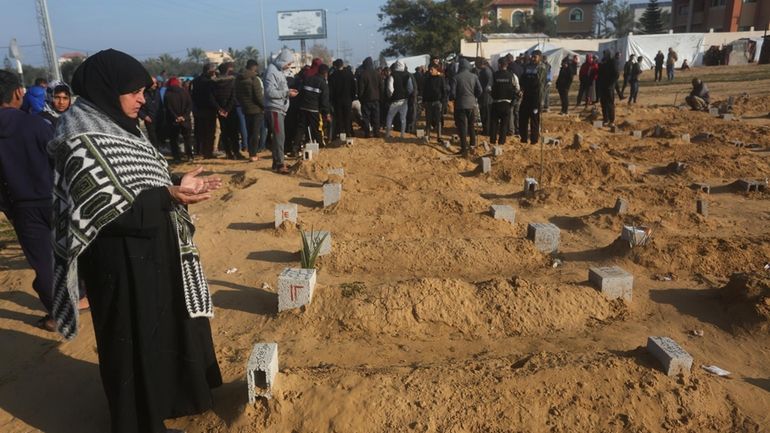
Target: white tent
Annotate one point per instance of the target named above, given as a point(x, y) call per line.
point(412, 62)
point(555, 54)
point(687, 46)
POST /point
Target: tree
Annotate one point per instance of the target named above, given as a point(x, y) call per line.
point(605, 11)
point(495, 25)
point(251, 53)
point(651, 22)
point(68, 68)
point(196, 55)
point(427, 26)
point(622, 20)
point(322, 52)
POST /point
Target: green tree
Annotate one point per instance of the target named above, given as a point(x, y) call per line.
point(196, 55)
point(68, 68)
point(622, 20)
point(651, 21)
point(604, 12)
point(322, 52)
point(428, 26)
point(251, 53)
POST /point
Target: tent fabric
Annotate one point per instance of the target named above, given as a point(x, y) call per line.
point(555, 54)
point(411, 62)
point(687, 46)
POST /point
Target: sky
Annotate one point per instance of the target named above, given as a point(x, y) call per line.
point(146, 28)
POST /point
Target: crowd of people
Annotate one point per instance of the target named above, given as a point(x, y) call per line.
point(105, 226)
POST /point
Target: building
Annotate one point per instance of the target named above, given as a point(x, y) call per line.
point(639, 8)
point(720, 15)
point(68, 57)
point(574, 18)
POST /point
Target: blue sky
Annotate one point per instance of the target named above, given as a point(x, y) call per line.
point(146, 28)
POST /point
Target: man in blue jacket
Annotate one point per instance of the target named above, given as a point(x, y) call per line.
point(277, 94)
point(26, 185)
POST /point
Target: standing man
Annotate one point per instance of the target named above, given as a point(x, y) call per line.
point(466, 88)
point(276, 105)
point(659, 59)
point(533, 85)
point(608, 78)
point(204, 110)
point(314, 107)
point(178, 107)
point(517, 67)
point(150, 113)
point(369, 90)
point(619, 66)
point(485, 78)
point(563, 83)
point(34, 98)
point(250, 94)
point(627, 72)
point(671, 60)
point(342, 92)
point(505, 87)
point(548, 79)
point(633, 80)
point(399, 88)
point(26, 186)
point(434, 94)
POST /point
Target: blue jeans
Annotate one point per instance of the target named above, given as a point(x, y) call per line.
point(244, 133)
point(670, 72)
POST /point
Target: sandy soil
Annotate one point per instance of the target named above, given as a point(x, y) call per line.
point(431, 316)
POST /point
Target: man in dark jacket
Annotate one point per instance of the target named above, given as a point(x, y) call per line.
point(205, 111)
point(434, 94)
point(533, 86)
point(485, 78)
point(633, 79)
point(342, 93)
point(150, 113)
point(627, 72)
point(608, 78)
point(619, 66)
point(466, 88)
point(563, 83)
point(249, 92)
point(314, 107)
point(178, 106)
point(223, 93)
point(517, 67)
point(659, 59)
point(26, 185)
point(369, 90)
point(399, 87)
point(699, 97)
point(505, 87)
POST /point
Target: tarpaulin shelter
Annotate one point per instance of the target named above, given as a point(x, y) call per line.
point(687, 46)
point(555, 54)
point(412, 62)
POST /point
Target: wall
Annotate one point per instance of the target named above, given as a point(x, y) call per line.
point(565, 27)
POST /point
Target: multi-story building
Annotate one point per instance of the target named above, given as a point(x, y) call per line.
point(720, 15)
point(573, 17)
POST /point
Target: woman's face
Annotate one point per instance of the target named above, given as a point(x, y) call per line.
point(130, 103)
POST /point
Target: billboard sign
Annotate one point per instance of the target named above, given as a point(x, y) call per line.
point(304, 24)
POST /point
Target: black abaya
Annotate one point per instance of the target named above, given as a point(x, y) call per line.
point(155, 361)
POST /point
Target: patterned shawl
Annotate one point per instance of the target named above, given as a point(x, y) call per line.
point(99, 170)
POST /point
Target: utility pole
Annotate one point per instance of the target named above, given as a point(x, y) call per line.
point(265, 54)
point(46, 36)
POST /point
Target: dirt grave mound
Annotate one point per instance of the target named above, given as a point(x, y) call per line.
point(434, 307)
point(748, 297)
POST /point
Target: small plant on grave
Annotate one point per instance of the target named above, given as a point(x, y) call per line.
point(310, 248)
point(350, 290)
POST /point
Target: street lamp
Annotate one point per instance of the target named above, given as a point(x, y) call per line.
point(337, 22)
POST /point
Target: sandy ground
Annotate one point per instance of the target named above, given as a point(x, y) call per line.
point(431, 316)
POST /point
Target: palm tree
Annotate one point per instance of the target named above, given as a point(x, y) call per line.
point(196, 55)
point(251, 53)
point(622, 20)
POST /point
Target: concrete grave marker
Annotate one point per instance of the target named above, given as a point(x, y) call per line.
point(313, 147)
point(634, 235)
point(497, 150)
point(672, 357)
point(485, 144)
point(612, 281)
point(702, 207)
point(530, 186)
point(336, 172)
point(504, 212)
point(598, 124)
point(630, 167)
point(325, 247)
point(636, 134)
point(714, 111)
point(349, 142)
point(486, 164)
point(447, 144)
point(686, 138)
point(546, 236)
point(332, 193)
point(752, 185)
point(728, 116)
point(420, 133)
point(702, 187)
point(343, 136)
point(621, 206)
point(285, 212)
point(295, 288)
point(307, 155)
point(261, 370)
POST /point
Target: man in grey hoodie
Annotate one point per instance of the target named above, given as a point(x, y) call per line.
point(466, 88)
point(277, 94)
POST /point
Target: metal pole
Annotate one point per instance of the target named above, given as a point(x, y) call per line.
point(302, 51)
point(262, 20)
point(337, 52)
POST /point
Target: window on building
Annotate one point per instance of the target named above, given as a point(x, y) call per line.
point(517, 17)
point(576, 15)
point(717, 3)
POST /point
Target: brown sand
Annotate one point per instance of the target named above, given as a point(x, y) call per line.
point(431, 316)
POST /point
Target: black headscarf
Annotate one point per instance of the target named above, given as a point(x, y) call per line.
point(106, 75)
